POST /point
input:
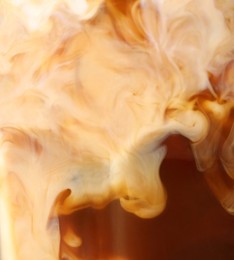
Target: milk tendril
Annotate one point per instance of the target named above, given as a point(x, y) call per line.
point(89, 92)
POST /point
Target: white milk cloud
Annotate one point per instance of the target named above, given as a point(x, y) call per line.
point(89, 92)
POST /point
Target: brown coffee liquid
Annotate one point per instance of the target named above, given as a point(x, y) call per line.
point(193, 225)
